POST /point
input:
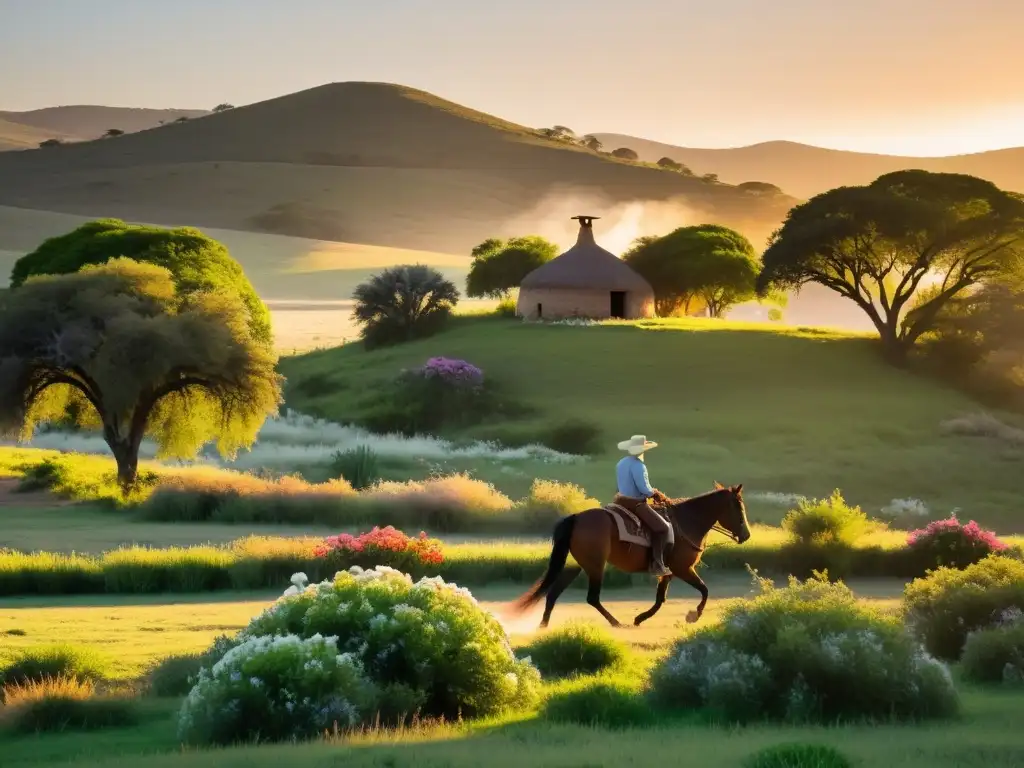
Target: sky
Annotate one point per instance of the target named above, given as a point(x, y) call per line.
point(912, 77)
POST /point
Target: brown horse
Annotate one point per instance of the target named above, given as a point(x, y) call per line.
point(592, 539)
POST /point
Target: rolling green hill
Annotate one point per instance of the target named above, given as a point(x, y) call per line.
point(780, 409)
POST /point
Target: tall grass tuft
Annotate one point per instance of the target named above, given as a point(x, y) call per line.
point(358, 466)
point(42, 662)
point(63, 703)
point(575, 649)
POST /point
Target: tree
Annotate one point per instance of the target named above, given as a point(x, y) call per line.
point(51, 143)
point(113, 133)
point(714, 264)
point(223, 107)
point(403, 303)
point(500, 265)
point(675, 165)
point(759, 188)
point(182, 119)
point(710, 178)
point(625, 153)
point(196, 261)
point(878, 244)
point(118, 347)
point(558, 133)
point(592, 143)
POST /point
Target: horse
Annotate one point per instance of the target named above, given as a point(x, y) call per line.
point(594, 539)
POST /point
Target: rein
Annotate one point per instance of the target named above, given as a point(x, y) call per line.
point(716, 527)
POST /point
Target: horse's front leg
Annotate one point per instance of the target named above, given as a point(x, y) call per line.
point(690, 577)
point(659, 600)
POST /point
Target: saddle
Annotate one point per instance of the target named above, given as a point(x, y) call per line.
point(630, 527)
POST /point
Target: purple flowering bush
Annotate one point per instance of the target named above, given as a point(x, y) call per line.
point(451, 372)
point(953, 544)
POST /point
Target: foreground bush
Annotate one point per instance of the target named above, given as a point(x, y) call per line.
point(575, 649)
point(805, 653)
point(403, 303)
point(798, 756)
point(276, 688)
point(428, 647)
point(996, 654)
point(55, 661)
point(63, 703)
point(945, 606)
point(953, 544)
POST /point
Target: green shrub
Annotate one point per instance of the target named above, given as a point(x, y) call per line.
point(549, 501)
point(174, 676)
point(43, 662)
point(403, 303)
point(945, 606)
point(805, 653)
point(826, 521)
point(576, 437)
point(996, 654)
point(798, 756)
point(63, 703)
point(599, 703)
point(575, 649)
point(276, 688)
point(427, 647)
point(506, 308)
point(359, 466)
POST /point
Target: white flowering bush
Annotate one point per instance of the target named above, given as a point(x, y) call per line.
point(426, 647)
point(805, 653)
point(276, 688)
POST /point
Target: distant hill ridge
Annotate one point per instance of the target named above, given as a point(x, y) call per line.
point(358, 162)
point(84, 122)
point(804, 171)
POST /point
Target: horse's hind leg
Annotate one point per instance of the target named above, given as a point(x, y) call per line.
point(594, 595)
point(659, 600)
point(564, 580)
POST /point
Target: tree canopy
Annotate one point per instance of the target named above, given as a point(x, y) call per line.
point(118, 347)
point(499, 266)
point(901, 247)
point(403, 303)
point(625, 153)
point(714, 264)
point(197, 262)
point(674, 165)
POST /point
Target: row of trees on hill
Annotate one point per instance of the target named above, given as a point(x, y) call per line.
point(113, 133)
point(137, 331)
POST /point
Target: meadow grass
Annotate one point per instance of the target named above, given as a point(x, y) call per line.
point(140, 634)
point(790, 410)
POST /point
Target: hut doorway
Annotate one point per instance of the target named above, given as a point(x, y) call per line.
point(618, 305)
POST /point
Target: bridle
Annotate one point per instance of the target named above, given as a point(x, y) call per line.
point(716, 527)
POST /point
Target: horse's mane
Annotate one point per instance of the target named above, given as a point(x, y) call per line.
point(699, 497)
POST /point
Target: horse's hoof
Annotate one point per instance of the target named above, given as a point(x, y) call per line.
point(692, 617)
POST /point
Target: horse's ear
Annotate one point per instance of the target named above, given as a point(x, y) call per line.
point(738, 489)
point(718, 485)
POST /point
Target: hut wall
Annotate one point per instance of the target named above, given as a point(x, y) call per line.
point(558, 303)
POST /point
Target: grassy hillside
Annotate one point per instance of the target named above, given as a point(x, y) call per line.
point(804, 171)
point(781, 410)
point(87, 121)
point(15, 135)
point(359, 162)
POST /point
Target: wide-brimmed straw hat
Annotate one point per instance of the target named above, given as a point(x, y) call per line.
point(637, 444)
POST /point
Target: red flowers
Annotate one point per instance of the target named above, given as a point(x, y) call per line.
point(952, 543)
point(384, 546)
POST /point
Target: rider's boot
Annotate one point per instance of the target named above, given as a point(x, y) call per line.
point(658, 542)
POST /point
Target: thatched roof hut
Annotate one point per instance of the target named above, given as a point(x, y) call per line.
point(585, 281)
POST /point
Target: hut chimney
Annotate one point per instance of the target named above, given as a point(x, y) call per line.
point(586, 234)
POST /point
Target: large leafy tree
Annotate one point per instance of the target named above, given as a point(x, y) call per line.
point(118, 347)
point(714, 264)
point(499, 266)
point(196, 262)
point(403, 303)
point(901, 247)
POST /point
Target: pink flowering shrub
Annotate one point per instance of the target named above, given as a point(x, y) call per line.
point(953, 544)
point(381, 546)
point(453, 372)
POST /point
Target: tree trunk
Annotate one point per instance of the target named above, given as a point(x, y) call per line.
point(895, 349)
point(127, 457)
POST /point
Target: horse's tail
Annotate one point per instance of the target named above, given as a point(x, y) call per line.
point(560, 539)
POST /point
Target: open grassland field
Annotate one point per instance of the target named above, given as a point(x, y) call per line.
point(783, 410)
point(135, 634)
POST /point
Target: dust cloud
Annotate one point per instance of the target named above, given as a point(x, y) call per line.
point(619, 225)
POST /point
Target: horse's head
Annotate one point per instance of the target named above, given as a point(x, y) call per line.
point(732, 515)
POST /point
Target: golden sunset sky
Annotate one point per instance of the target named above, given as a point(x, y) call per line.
point(916, 77)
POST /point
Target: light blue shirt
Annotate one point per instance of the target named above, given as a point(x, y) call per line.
point(631, 474)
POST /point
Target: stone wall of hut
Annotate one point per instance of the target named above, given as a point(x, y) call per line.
point(561, 303)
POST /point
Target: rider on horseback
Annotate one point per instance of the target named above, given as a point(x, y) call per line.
point(635, 494)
